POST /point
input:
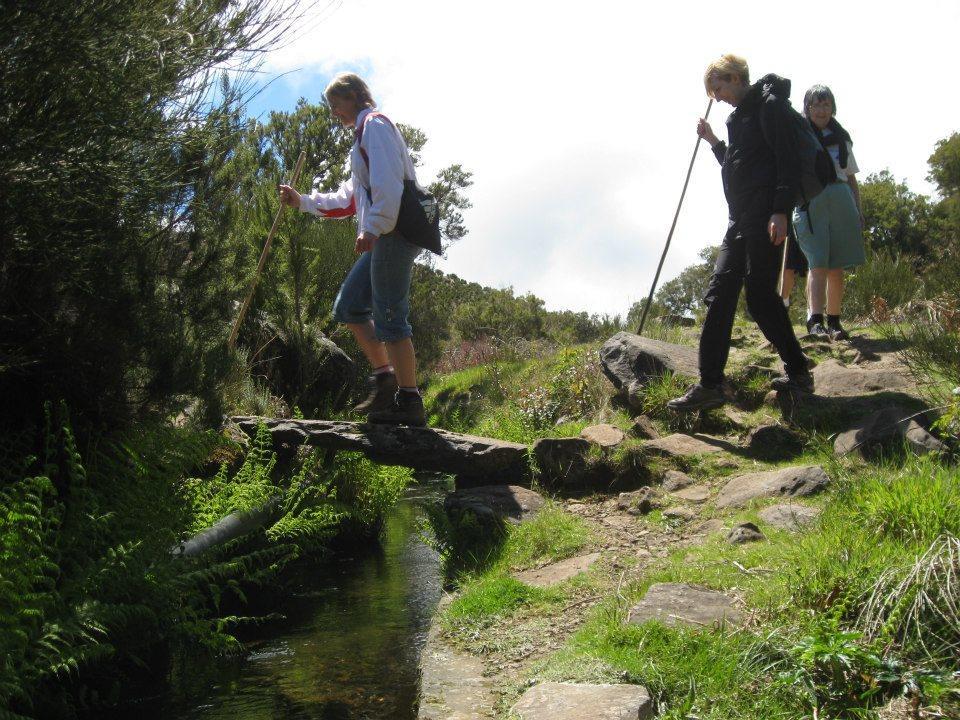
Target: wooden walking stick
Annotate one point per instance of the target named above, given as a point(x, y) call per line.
point(646, 308)
point(263, 256)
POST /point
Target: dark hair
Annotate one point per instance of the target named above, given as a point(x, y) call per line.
point(816, 94)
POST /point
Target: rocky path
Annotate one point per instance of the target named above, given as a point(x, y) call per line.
point(864, 395)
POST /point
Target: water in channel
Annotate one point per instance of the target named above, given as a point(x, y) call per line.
point(349, 649)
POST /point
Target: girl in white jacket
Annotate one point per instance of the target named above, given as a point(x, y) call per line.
point(374, 300)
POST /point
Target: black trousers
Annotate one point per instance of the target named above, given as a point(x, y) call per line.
point(747, 258)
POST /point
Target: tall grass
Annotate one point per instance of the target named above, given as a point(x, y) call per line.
point(884, 275)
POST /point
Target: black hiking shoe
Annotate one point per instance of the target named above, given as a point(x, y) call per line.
point(698, 397)
point(383, 387)
point(835, 329)
point(406, 409)
point(798, 382)
point(816, 328)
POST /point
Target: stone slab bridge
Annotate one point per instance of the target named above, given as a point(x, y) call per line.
point(474, 460)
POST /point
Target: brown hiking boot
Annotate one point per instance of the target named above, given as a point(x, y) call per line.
point(383, 387)
point(406, 409)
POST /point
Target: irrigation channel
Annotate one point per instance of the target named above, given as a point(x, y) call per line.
point(350, 647)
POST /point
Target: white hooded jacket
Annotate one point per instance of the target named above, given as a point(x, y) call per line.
point(390, 164)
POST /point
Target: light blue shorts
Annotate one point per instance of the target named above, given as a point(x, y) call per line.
point(829, 231)
point(378, 288)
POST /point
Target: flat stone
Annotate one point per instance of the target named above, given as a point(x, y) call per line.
point(694, 494)
point(557, 572)
point(674, 480)
point(892, 424)
point(789, 516)
point(604, 435)
point(574, 701)
point(453, 686)
point(736, 417)
point(682, 604)
point(708, 527)
point(744, 533)
point(492, 503)
point(789, 482)
point(681, 445)
point(639, 502)
point(834, 379)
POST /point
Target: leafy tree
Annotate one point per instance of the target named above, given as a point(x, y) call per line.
point(897, 219)
point(945, 173)
point(683, 294)
point(114, 210)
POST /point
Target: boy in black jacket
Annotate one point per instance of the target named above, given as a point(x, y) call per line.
point(761, 171)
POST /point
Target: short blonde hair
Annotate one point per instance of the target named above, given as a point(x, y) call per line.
point(725, 67)
point(350, 85)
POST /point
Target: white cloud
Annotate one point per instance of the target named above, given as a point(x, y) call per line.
point(577, 119)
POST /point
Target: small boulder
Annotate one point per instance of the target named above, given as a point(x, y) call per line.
point(682, 514)
point(744, 533)
point(789, 516)
point(789, 482)
point(643, 428)
point(674, 480)
point(604, 435)
point(574, 701)
point(627, 358)
point(891, 424)
point(774, 441)
point(638, 502)
point(494, 503)
point(562, 460)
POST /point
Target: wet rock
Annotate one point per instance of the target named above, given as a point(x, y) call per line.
point(682, 604)
point(453, 684)
point(744, 533)
point(638, 502)
point(789, 516)
point(694, 494)
point(881, 428)
point(557, 572)
point(674, 480)
point(789, 482)
point(629, 359)
point(774, 442)
point(604, 435)
point(494, 503)
point(681, 445)
point(643, 428)
point(574, 701)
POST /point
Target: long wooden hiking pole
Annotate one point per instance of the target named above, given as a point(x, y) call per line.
point(263, 256)
point(653, 288)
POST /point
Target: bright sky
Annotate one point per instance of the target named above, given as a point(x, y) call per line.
point(578, 119)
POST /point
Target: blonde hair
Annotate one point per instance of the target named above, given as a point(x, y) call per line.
point(725, 67)
point(351, 86)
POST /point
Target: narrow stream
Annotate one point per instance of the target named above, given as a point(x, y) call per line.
point(351, 645)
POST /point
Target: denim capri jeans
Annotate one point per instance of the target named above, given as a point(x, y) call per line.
point(378, 288)
point(829, 231)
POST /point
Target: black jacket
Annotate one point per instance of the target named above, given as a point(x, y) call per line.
point(761, 153)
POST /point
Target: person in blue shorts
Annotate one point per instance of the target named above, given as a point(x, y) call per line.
point(830, 229)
